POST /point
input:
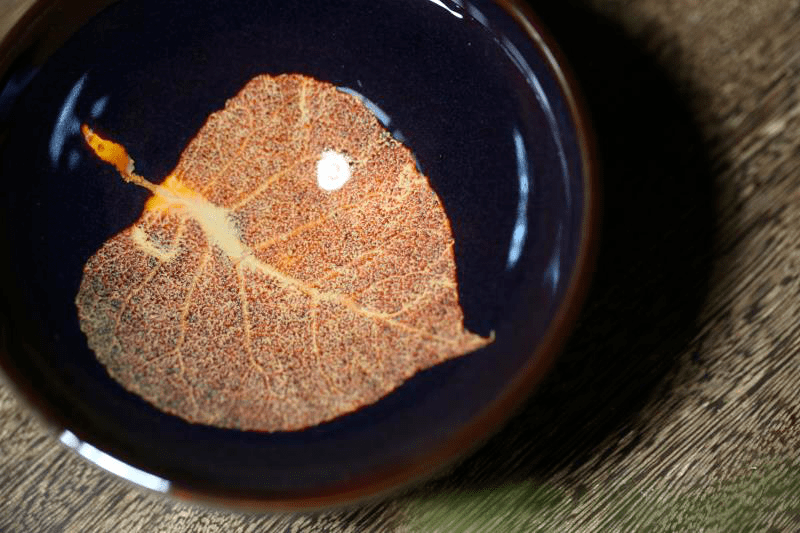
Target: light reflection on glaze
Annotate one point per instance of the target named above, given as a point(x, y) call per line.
point(521, 224)
point(67, 122)
point(14, 87)
point(443, 6)
point(552, 273)
point(99, 106)
point(114, 465)
point(476, 14)
point(73, 159)
point(517, 58)
point(382, 116)
point(519, 234)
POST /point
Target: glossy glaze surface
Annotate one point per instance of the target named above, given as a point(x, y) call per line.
point(464, 87)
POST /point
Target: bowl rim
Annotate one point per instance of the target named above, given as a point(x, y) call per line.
point(494, 415)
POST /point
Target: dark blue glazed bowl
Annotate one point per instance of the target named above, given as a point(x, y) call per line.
point(475, 89)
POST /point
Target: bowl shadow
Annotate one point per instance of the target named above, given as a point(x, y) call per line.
point(652, 271)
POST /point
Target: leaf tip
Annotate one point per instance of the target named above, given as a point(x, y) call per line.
point(108, 151)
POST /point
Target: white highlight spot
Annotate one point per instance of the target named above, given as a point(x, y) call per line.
point(333, 170)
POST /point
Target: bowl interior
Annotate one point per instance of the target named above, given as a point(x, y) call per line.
point(474, 97)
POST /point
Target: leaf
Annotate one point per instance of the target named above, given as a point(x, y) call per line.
point(294, 267)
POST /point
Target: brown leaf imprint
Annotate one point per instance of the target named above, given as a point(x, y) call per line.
point(248, 296)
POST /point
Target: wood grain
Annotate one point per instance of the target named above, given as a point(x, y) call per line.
point(675, 405)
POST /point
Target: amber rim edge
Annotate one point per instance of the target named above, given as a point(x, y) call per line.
point(495, 415)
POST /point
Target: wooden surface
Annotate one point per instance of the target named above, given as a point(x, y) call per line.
point(675, 405)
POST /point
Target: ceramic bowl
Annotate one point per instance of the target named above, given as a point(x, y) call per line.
point(479, 93)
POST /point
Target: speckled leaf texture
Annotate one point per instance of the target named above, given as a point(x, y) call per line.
point(247, 296)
